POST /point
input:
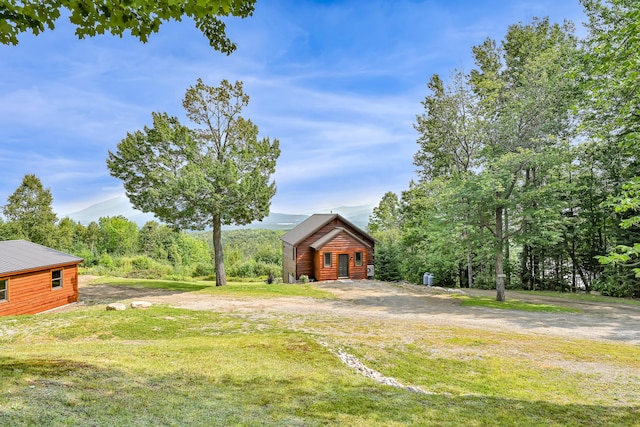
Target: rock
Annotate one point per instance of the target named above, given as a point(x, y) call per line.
point(414, 389)
point(117, 306)
point(140, 304)
point(356, 364)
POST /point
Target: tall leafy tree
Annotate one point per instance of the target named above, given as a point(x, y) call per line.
point(385, 225)
point(140, 18)
point(29, 208)
point(612, 56)
point(215, 174)
point(386, 217)
point(526, 94)
point(65, 234)
point(450, 129)
point(450, 137)
point(118, 235)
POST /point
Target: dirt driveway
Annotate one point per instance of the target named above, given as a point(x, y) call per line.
point(383, 301)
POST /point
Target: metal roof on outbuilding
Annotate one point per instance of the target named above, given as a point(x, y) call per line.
point(20, 255)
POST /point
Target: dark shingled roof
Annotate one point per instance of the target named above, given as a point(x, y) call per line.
point(311, 225)
point(20, 255)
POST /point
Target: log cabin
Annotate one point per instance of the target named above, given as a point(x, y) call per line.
point(327, 247)
point(35, 278)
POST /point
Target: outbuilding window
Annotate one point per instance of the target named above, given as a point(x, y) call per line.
point(56, 279)
point(327, 259)
point(4, 290)
point(358, 258)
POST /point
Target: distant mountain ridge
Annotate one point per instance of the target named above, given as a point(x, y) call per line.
point(358, 215)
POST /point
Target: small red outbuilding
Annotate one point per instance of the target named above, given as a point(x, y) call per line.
point(34, 278)
point(327, 247)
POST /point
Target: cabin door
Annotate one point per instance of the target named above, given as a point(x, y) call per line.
point(343, 265)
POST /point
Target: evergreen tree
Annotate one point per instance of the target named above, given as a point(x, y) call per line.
point(29, 210)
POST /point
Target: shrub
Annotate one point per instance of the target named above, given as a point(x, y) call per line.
point(123, 265)
point(105, 260)
point(243, 269)
point(387, 263)
point(204, 270)
point(148, 274)
point(614, 288)
point(304, 278)
point(142, 263)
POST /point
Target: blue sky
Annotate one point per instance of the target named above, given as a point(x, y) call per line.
point(339, 83)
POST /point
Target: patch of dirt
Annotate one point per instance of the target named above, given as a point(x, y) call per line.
point(380, 301)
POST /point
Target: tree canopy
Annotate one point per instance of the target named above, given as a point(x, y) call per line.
point(140, 18)
point(528, 164)
point(613, 108)
point(218, 173)
point(29, 209)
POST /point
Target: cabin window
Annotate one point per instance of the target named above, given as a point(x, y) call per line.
point(327, 259)
point(4, 290)
point(358, 258)
point(56, 279)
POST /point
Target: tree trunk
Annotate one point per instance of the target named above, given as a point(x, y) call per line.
point(524, 267)
point(221, 277)
point(469, 269)
point(507, 252)
point(499, 255)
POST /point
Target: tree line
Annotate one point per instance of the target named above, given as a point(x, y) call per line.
point(528, 164)
point(117, 245)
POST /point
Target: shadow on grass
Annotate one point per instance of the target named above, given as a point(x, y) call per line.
point(67, 392)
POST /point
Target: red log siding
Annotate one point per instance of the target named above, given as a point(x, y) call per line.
point(306, 256)
point(31, 293)
point(342, 244)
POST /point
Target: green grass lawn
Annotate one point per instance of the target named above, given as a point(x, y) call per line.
point(258, 289)
point(583, 297)
point(512, 304)
point(168, 366)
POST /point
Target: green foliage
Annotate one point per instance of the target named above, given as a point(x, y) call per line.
point(385, 221)
point(218, 173)
point(617, 281)
point(29, 209)
point(162, 252)
point(612, 116)
point(140, 18)
point(492, 149)
point(450, 129)
point(106, 260)
point(388, 262)
point(259, 244)
point(304, 278)
point(118, 235)
point(142, 263)
point(164, 244)
point(204, 270)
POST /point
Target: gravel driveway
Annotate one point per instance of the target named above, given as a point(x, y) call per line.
point(383, 301)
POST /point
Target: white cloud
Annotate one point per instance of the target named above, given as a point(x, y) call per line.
point(338, 84)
